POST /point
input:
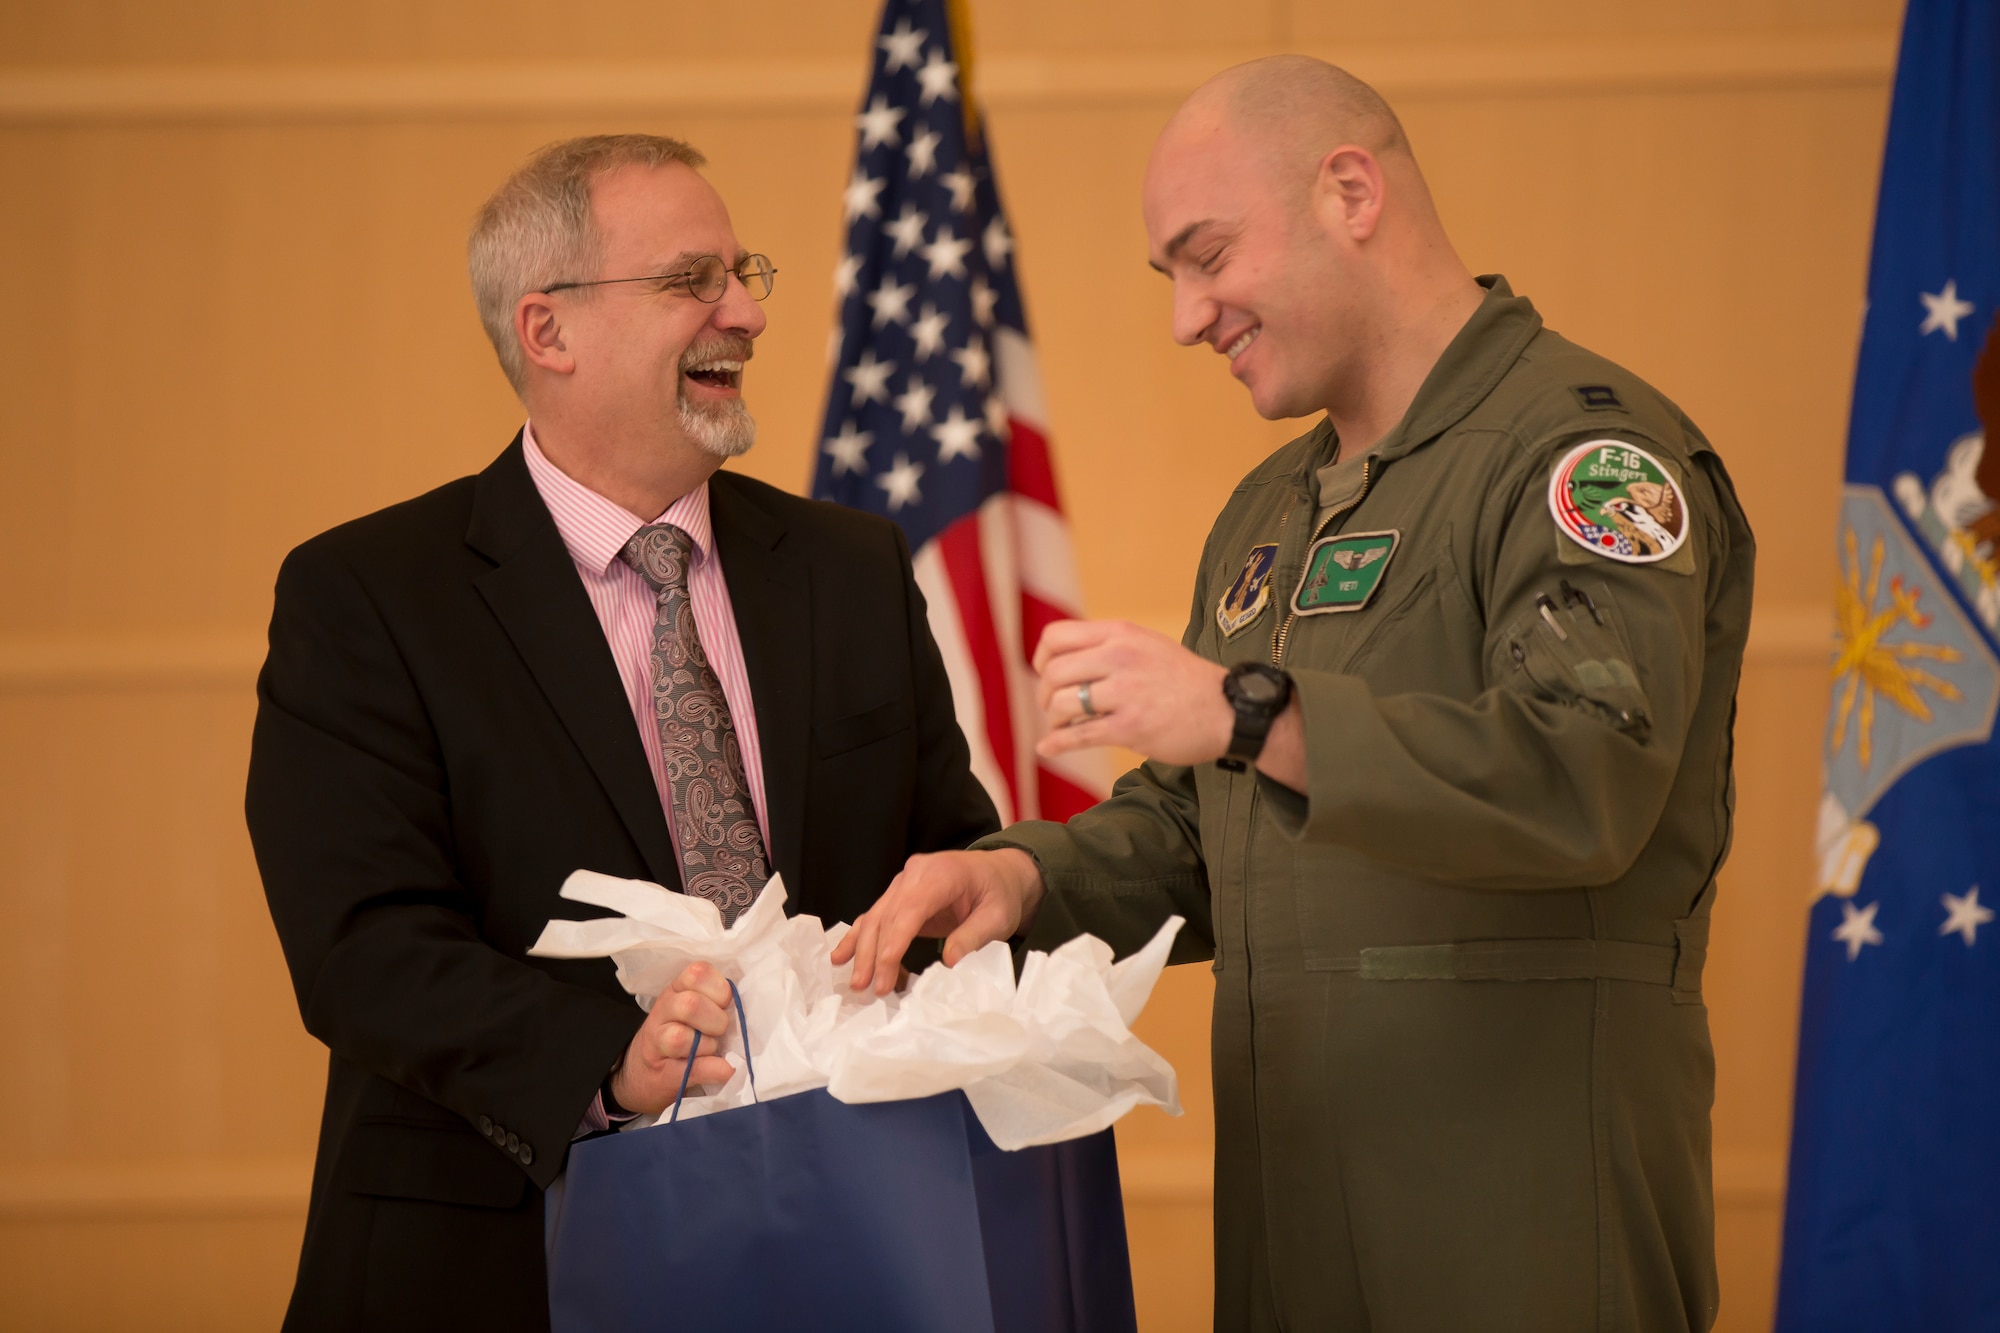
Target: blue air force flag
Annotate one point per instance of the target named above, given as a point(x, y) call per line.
point(1892, 1217)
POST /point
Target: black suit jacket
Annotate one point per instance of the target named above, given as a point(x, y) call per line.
point(441, 739)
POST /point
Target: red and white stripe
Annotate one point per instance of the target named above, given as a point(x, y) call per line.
point(994, 580)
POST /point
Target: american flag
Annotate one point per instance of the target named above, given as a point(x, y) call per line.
point(934, 416)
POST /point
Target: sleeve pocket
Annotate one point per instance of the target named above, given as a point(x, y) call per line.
point(398, 1160)
point(858, 729)
point(1569, 651)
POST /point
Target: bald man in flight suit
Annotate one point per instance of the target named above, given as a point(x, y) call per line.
point(1439, 772)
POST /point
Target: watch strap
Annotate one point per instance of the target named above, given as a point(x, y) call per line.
point(1253, 721)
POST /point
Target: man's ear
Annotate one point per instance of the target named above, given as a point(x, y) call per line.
point(539, 330)
point(1347, 192)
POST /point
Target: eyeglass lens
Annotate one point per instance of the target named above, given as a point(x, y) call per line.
point(709, 276)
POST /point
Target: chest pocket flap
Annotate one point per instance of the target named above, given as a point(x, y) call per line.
point(841, 734)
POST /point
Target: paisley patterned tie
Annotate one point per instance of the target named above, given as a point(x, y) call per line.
point(722, 851)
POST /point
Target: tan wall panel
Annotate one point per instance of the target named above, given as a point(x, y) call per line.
point(1746, 1261)
point(236, 31)
point(1173, 1288)
point(202, 1275)
point(235, 332)
point(1356, 20)
point(251, 31)
point(148, 1015)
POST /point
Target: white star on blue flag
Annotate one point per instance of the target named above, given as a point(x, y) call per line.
point(913, 430)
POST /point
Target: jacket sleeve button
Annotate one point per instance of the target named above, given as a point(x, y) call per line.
point(486, 1125)
point(527, 1155)
point(513, 1143)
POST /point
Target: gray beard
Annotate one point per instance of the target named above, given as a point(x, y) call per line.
point(725, 430)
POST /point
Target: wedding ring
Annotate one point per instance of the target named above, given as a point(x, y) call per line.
point(1083, 699)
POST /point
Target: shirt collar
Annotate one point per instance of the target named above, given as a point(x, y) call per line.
point(596, 529)
point(1471, 366)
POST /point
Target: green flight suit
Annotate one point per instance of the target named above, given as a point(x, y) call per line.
point(1461, 1061)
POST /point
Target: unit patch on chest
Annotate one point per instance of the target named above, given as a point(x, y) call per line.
point(1343, 573)
point(1250, 593)
point(1616, 500)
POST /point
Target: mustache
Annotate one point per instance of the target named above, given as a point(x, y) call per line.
point(721, 347)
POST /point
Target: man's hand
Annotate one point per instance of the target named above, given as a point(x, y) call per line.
point(971, 898)
point(1147, 693)
point(650, 1074)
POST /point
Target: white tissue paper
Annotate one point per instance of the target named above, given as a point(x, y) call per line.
point(1050, 1058)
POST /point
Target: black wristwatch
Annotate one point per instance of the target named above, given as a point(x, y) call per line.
point(1258, 693)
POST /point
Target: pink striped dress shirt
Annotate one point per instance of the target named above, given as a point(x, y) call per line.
point(595, 530)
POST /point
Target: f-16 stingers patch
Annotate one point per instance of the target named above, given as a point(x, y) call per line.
point(1343, 573)
point(1615, 499)
point(1250, 593)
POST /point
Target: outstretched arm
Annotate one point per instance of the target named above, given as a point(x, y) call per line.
point(1116, 870)
point(1591, 670)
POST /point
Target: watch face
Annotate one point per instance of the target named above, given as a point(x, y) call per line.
point(1257, 688)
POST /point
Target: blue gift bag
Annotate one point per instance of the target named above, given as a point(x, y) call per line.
point(805, 1212)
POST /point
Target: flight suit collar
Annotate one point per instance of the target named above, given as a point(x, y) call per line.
point(1473, 364)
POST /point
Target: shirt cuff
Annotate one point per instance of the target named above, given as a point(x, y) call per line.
point(596, 1120)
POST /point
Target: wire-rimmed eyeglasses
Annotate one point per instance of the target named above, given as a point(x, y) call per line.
point(705, 279)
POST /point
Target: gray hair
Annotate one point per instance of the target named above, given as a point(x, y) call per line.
point(537, 228)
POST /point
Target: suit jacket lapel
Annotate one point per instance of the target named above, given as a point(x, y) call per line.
point(534, 591)
point(770, 588)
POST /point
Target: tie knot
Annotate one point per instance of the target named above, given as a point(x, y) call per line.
point(660, 554)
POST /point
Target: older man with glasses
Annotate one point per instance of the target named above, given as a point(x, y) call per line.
point(601, 652)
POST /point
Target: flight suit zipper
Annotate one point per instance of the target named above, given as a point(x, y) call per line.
point(1285, 626)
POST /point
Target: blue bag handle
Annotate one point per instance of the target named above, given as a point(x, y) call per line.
point(742, 1026)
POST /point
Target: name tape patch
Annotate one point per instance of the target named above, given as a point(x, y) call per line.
point(1343, 573)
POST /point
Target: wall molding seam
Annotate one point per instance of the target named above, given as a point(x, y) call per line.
point(57, 663)
point(264, 94)
point(278, 1187)
point(1790, 636)
point(141, 1191)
